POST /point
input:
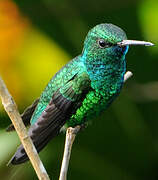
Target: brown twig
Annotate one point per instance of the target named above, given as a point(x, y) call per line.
point(70, 137)
point(12, 111)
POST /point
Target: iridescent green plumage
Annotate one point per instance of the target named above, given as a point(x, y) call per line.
point(81, 89)
point(97, 71)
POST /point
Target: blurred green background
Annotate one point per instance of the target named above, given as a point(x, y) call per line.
point(36, 39)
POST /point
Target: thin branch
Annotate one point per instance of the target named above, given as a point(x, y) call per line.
point(12, 111)
point(70, 137)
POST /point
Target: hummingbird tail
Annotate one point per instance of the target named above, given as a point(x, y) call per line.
point(20, 155)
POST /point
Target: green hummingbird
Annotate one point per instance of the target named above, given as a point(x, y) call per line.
point(82, 89)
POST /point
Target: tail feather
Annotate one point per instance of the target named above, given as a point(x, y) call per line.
point(20, 155)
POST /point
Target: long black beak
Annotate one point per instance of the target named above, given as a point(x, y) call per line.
point(134, 42)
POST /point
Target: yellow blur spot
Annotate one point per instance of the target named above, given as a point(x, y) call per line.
point(148, 15)
point(39, 59)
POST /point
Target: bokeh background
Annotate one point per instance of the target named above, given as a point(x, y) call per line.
point(36, 39)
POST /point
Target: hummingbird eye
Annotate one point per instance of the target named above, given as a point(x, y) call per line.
point(103, 44)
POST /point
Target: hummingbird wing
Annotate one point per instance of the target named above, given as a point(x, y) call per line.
point(63, 104)
point(26, 115)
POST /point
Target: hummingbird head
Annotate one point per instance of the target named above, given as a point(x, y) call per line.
point(106, 41)
point(104, 53)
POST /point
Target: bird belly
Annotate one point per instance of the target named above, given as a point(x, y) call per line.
point(94, 103)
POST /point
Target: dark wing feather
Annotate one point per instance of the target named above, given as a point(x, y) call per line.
point(62, 105)
point(26, 115)
point(48, 126)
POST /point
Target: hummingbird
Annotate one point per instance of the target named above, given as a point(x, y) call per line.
point(81, 90)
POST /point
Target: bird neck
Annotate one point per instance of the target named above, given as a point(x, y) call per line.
point(105, 73)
